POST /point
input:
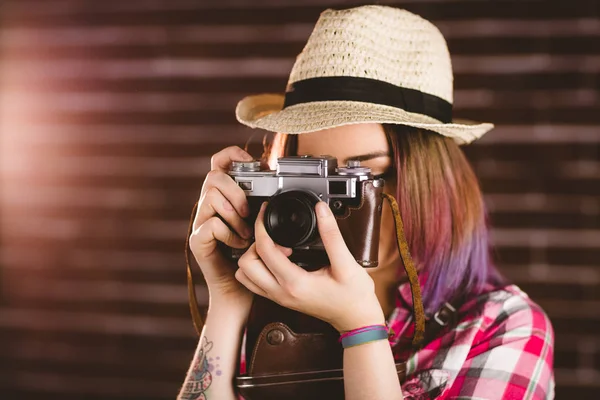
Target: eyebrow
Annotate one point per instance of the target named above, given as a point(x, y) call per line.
point(368, 156)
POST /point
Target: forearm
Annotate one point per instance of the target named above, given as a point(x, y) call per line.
point(213, 368)
point(370, 372)
point(369, 368)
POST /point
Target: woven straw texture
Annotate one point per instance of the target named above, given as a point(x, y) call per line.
point(376, 42)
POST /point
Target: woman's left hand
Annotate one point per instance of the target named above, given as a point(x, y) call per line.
point(342, 294)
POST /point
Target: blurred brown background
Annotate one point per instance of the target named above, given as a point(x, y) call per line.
point(111, 110)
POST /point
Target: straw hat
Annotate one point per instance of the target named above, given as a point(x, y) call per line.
point(373, 64)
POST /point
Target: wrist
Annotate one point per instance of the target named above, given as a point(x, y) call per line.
point(237, 306)
point(369, 313)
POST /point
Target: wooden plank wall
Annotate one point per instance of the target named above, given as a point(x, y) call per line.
point(111, 110)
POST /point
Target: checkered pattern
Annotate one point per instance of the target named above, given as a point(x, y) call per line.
point(501, 348)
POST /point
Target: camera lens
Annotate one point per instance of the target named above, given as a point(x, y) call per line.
point(290, 218)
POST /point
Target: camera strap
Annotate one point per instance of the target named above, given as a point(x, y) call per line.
point(411, 272)
point(194, 309)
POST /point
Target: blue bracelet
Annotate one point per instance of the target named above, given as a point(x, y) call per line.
point(364, 337)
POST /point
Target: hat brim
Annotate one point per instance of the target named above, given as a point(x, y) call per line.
point(265, 111)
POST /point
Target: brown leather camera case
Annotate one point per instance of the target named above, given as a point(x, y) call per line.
point(285, 363)
point(360, 226)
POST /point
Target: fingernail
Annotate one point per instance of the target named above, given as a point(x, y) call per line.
point(322, 209)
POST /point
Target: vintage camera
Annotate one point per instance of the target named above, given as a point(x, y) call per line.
point(293, 190)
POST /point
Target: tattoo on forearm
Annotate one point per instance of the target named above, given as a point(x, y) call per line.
point(200, 376)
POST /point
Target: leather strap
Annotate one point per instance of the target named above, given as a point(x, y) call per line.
point(411, 273)
point(195, 311)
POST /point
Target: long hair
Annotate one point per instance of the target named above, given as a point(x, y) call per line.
point(442, 208)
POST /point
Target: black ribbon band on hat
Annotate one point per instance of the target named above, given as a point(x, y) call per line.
point(366, 90)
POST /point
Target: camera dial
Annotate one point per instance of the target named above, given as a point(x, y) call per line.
point(245, 166)
point(353, 168)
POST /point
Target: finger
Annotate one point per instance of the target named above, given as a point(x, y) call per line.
point(223, 159)
point(272, 255)
point(251, 286)
point(215, 229)
point(229, 188)
point(214, 203)
point(334, 243)
point(256, 270)
point(286, 251)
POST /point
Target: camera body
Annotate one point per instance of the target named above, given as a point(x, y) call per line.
point(293, 190)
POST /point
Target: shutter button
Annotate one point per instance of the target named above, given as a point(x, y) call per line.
point(275, 337)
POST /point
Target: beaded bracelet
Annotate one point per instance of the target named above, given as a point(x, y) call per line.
point(363, 335)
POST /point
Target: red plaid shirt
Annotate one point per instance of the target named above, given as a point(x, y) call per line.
point(501, 348)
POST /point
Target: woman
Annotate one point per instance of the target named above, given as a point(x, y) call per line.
point(374, 83)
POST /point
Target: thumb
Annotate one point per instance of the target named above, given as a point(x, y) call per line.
point(332, 237)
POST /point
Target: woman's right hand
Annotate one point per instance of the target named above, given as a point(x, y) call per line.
point(221, 196)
